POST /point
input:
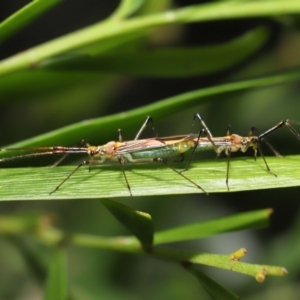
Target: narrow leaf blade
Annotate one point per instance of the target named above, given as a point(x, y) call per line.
point(147, 179)
point(89, 129)
point(24, 16)
point(137, 222)
point(213, 288)
point(242, 221)
point(56, 285)
point(169, 62)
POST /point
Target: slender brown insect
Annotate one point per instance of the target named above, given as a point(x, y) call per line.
point(159, 149)
point(234, 142)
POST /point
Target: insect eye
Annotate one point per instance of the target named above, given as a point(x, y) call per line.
point(92, 153)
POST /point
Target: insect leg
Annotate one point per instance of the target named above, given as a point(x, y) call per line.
point(85, 162)
point(204, 130)
point(165, 163)
point(121, 162)
point(147, 121)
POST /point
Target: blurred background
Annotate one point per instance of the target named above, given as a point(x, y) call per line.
point(31, 110)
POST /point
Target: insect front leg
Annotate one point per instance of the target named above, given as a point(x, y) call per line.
point(85, 162)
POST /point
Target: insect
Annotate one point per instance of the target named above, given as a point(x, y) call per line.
point(134, 151)
point(159, 149)
point(234, 142)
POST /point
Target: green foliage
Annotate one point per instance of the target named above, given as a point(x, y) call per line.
point(147, 179)
point(56, 285)
point(137, 222)
point(62, 80)
point(24, 16)
point(140, 225)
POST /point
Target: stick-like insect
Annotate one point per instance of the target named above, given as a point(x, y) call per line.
point(138, 150)
point(234, 142)
point(160, 149)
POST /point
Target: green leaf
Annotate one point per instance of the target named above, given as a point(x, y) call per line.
point(137, 222)
point(170, 62)
point(147, 179)
point(213, 288)
point(56, 285)
point(89, 129)
point(249, 220)
point(24, 16)
point(132, 220)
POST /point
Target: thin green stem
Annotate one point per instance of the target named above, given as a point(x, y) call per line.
point(117, 28)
